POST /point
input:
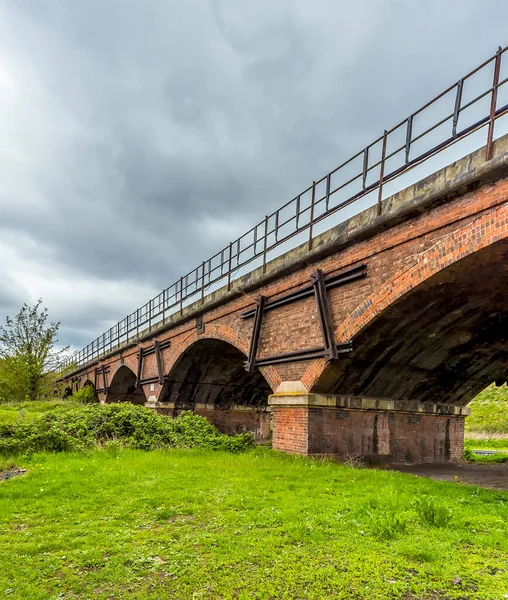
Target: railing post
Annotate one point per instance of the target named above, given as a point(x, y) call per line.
point(311, 222)
point(203, 281)
point(493, 104)
point(149, 315)
point(181, 295)
point(456, 110)
point(230, 264)
point(265, 244)
point(382, 174)
point(365, 167)
point(164, 300)
point(409, 133)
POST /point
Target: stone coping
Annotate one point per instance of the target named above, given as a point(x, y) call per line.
point(364, 403)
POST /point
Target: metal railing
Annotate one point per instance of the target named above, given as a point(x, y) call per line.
point(345, 185)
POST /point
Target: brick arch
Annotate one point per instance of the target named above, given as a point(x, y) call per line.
point(122, 387)
point(225, 334)
point(130, 361)
point(484, 231)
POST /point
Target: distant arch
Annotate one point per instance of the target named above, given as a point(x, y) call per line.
point(211, 372)
point(224, 334)
point(123, 388)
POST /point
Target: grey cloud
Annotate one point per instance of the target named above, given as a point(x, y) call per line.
point(151, 121)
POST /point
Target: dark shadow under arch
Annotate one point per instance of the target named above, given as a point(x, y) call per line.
point(123, 388)
point(442, 342)
point(212, 372)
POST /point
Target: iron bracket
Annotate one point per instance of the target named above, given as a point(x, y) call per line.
point(200, 324)
point(325, 318)
point(140, 367)
point(256, 330)
point(104, 379)
point(160, 371)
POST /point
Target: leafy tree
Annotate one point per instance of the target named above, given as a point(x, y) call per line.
point(28, 358)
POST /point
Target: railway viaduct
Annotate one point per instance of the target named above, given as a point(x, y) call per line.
point(369, 339)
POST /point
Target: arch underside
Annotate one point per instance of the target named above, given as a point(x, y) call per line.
point(123, 388)
point(212, 372)
point(442, 342)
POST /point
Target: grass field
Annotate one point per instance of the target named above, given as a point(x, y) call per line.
point(489, 413)
point(199, 524)
point(487, 426)
point(15, 412)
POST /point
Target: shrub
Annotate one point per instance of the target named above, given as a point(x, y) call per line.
point(469, 455)
point(83, 427)
point(86, 395)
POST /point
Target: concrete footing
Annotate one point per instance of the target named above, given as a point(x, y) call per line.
point(369, 428)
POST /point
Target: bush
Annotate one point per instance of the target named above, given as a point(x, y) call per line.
point(86, 395)
point(469, 455)
point(85, 427)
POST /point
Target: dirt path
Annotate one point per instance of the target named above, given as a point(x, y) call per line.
point(494, 476)
point(10, 473)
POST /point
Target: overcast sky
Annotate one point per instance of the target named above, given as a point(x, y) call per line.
point(137, 137)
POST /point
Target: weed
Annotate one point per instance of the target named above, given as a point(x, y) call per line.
point(433, 514)
point(389, 525)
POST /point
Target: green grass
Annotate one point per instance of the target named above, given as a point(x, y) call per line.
point(487, 426)
point(489, 413)
point(488, 443)
point(15, 412)
point(201, 524)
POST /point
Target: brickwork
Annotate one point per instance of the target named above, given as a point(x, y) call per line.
point(291, 429)
point(233, 421)
point(236, 419)
point(368, 434)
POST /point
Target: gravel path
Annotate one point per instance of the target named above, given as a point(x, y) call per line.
point(494, 476)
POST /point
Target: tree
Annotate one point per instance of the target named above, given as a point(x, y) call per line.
point(28, 358)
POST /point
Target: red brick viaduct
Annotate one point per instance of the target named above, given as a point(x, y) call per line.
point(370, 344)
